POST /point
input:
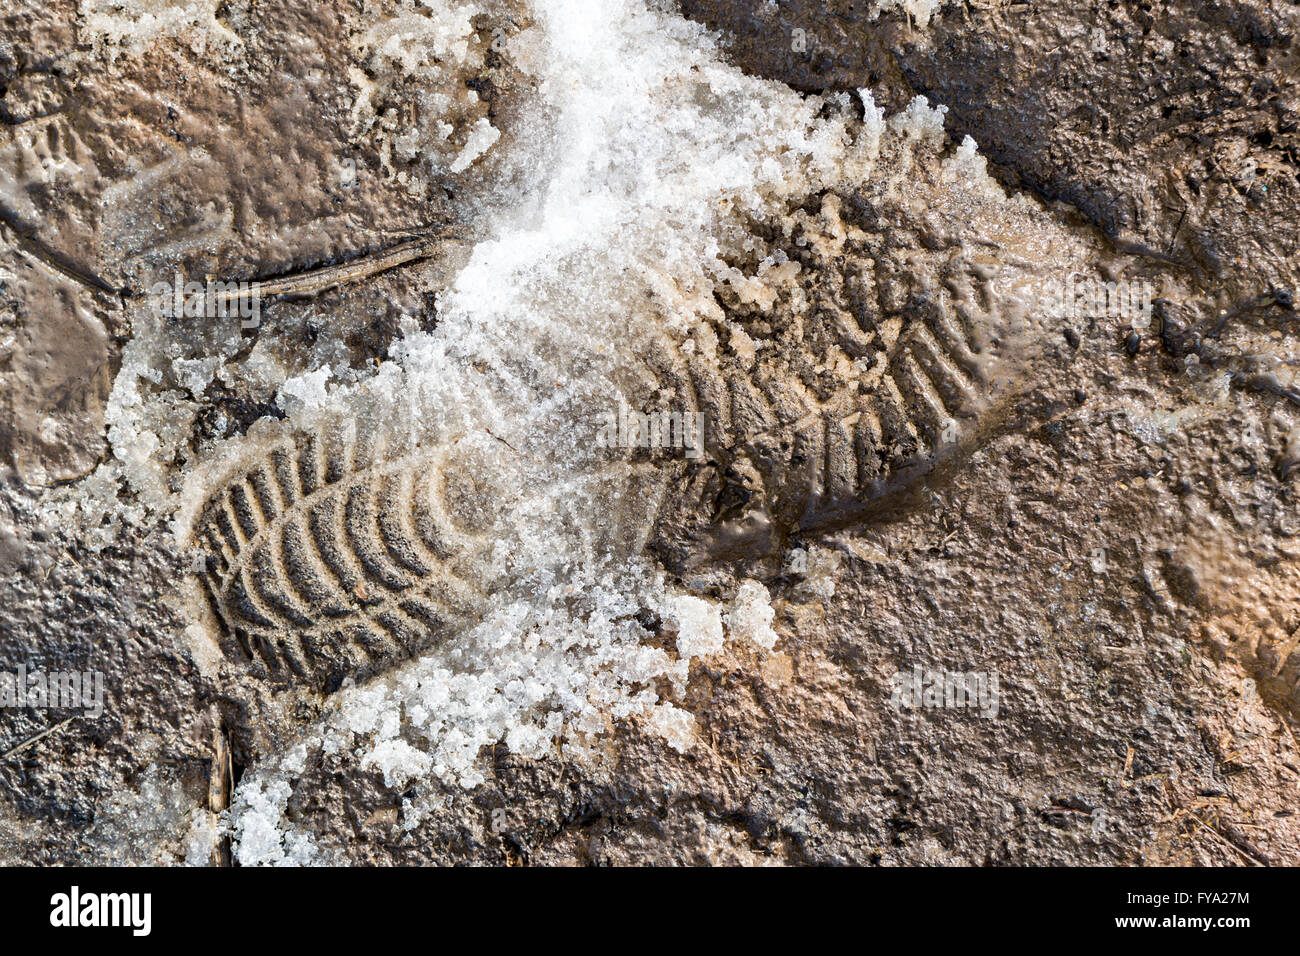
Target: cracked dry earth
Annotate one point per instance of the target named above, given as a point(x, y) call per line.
point(368, 581)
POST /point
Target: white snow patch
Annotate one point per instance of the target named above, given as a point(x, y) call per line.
point(751, 616)
point(480, 140)
point(132, 26)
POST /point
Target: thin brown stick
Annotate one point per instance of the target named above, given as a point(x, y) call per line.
point(219, 780)
point(318, 280)
point(13, 234)
point(32, 740)
point(1230, 844)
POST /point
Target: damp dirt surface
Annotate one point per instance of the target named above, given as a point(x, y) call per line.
point(1120, 553)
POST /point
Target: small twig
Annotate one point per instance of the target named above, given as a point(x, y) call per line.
point(219, 780)
point(502, 441)
point(17, 236)
point(1174, 238)
point(32, 740)
point(318, 280)
point(1248, 857)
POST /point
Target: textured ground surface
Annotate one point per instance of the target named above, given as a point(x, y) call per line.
point(1118, 543)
